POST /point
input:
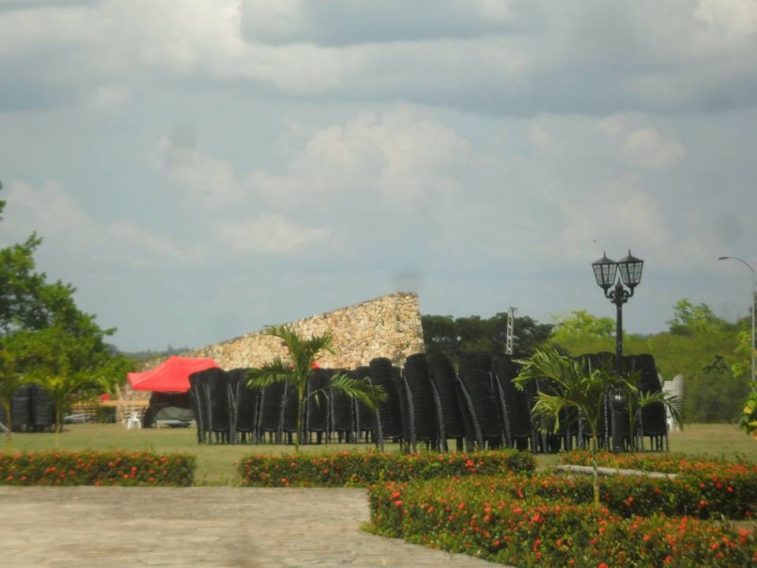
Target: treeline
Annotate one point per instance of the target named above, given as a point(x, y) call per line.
point(712, 354)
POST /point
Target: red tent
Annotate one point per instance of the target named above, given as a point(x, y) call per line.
point(170, 376)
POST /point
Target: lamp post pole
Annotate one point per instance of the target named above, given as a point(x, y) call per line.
point(754, 302)
point(611, 276)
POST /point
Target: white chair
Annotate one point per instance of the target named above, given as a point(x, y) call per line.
point(133, 421)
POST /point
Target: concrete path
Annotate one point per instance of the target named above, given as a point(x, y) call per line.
point(199, 527)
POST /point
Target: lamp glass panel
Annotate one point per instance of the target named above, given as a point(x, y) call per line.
point(630, 270)
point(605, 271)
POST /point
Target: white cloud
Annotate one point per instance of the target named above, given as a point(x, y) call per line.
point(734, 20)
point(643, 146)
point(45, 28)
point(209, 182)
point(647, 149)
point(542, 140)
point(268, 234)
point(400, 157)
point(619, 216)
point(511, 57)
point(68, 229)
point(106, 97)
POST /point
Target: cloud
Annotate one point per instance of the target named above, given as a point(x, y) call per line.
point(643, 146)
point(646, 148)
point(619, 216)
point(106, 97)
point(70, 230)
point(342, 22)
point(268, 234)
point(209, 182)
point(512, 57)
point(399, 157)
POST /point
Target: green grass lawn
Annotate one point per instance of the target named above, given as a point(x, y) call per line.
point(216, 464)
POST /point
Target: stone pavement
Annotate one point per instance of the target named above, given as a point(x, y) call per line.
point(214, 527)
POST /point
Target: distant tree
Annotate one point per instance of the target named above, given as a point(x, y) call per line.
point(706, 350)
point(69, 366)
point(456, 336)
point(580, 327)
point(10, 380)
point(689, 319)
point(44, 336)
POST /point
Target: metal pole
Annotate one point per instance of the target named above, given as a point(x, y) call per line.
point(754, 301)
point(618, 300)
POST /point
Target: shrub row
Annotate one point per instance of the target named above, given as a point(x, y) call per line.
point(477, 517)
point(363, 468)
point(733, 497)
point(665, 463)
point(97, 468)
point(708, 488)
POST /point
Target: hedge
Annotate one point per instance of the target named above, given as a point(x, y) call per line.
point(665, 463)
point(478, 517)
point(363, 468)
point(704, 488)
point(729, 496)
point(97, 468)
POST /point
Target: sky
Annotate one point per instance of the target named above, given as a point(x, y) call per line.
point(201, 169)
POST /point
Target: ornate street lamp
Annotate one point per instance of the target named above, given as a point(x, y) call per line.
point(754, 302)
point(606, 272)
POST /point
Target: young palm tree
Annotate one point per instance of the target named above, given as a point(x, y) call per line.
point(586, 391)
point(577, 388)
point(296, 367)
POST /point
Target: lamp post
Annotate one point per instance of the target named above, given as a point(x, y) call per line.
point(606, 272)
point(754, 301)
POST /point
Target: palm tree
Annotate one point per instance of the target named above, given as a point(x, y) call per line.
point(296, 367)
point(584, 389)
point(578, 388)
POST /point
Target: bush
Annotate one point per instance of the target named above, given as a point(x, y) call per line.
point(666, 463)
point(709, 488)
point(363, 468)
point(482, 517)
point(97, 468)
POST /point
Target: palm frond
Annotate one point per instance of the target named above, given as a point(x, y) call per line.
point(276, 371)
point(370, 395)
point(671, 403)
point(303, 352)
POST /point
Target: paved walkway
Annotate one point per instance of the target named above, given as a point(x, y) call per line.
point(199, 527)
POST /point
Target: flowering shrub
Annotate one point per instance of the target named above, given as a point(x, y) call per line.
point(96, 468)
point(666, 463)
point(480, 516)
point(362, 468)
point(707, 488)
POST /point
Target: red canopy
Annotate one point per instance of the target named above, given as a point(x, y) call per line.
point(170, 376)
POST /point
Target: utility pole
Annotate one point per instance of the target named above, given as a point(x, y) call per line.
point(510, 330)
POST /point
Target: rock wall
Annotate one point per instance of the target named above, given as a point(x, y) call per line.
point(389, 326)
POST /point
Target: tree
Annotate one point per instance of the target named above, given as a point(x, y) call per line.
point(10, 380)
point(577, 387)
point(455, 336)
point(295, 368)
point(581, 328)
point(69, 366)
point(689, 319)
point(44, 336)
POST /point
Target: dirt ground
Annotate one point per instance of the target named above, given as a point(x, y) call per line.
point(199, 526)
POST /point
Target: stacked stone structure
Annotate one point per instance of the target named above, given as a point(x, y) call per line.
point(389, 326)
